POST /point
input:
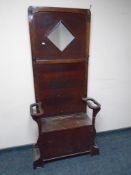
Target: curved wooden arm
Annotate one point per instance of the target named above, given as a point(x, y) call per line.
point(37, 112)
point(96, 107)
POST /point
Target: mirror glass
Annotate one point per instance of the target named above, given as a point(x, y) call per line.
point(60, 36)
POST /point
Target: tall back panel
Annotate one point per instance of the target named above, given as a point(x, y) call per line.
point(60, 50)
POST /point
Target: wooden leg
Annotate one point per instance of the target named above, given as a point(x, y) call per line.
point(94, 150)
point(38, 163)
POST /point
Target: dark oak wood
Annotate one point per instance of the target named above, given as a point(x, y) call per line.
point(60, 80)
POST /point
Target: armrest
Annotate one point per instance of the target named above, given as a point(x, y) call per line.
point(36, 110)
point(96, 105)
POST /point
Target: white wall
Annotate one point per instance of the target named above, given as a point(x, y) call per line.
point(109, 68)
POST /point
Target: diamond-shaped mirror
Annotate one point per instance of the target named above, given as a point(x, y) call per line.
point(60, 36)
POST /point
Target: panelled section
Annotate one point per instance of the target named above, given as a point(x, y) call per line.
point(69, 144)
point(47, 23)
point(61, 87)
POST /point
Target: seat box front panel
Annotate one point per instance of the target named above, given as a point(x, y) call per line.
point(66, 142)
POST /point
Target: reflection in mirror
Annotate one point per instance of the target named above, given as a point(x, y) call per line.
point(60, 36)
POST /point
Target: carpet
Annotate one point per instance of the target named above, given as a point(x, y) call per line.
point(114, 159)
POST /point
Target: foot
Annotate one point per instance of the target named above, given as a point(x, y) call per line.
point(94, 150)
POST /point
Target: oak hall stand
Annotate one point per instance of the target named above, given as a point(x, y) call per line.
point(60, 51)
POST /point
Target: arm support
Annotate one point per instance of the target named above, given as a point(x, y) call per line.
point(95, 107)
point(36, 110)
